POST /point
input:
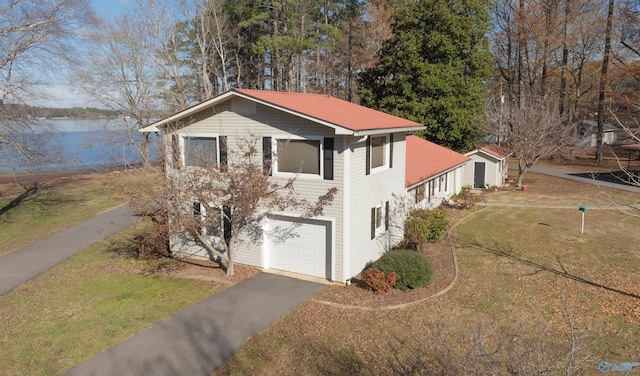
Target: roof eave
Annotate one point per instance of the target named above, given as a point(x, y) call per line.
point(373, 132)
point(437, 174)
point(339, 130)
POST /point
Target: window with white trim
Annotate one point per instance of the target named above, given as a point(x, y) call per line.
point(214, 225)
point(298, 156)
point(420, 193)
point(379, 219)
point(200, 150)
point(379, 152)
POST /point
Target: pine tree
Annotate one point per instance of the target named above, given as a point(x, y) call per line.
point(434, 69)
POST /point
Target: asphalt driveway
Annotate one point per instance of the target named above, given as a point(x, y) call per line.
point(32, 260)
point(201, 338)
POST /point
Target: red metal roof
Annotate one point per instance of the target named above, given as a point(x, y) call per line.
point(497, 151)
point(426, 159)
point(331, 110)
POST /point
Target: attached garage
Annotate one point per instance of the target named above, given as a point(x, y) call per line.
point(304, 248)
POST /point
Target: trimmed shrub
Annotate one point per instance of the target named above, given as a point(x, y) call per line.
point(413, 269)
point(425, 226)
point(378, 281)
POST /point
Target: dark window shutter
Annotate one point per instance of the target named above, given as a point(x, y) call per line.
point(373, 223)
point(391, 150)
point(386, 216)
point(368, 156)
point(226, 224)
point(223, 153)
point(328, 158)
point(266, 155)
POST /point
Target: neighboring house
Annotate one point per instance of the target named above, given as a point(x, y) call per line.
point(433, 172)
point(488, 166)
point(588, 132)
point(329, 143)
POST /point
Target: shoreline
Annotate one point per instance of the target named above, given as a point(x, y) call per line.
point(31, 177)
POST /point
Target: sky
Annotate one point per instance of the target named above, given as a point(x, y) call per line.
point(59, 94)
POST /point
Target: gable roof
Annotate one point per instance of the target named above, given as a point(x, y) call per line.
point(494, 150)
point(426, 159)
point(345, 117)
point(590, 126)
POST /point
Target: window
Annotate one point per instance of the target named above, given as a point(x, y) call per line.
point(432, 190)
point(215, 223)
point(379, 219)
point(420, 191)
point(379, 153)
point(200, 151)
point(298, 156)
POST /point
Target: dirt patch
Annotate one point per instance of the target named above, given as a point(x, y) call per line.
point(356, 295)
point(206, 270)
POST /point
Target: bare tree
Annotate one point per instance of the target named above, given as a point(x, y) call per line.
point(220, 205)
point(533, 131)
point(120, 74)
point(35, 37)
point(633, 135)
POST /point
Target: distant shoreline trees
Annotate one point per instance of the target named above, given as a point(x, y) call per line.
point(25, 112)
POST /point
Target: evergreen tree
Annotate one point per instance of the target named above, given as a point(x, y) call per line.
point(434, 69)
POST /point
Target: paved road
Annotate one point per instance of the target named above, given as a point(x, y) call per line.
point(199, 339)
point(542, 206)
point(32, 260)
point(603, 180)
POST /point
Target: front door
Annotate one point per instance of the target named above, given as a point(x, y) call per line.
point(478, 175)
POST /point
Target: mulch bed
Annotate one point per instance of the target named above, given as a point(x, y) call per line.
point(208, 271)
point(356, 295)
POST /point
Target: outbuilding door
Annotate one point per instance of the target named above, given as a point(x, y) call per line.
point(478, 174)
point(304, 248)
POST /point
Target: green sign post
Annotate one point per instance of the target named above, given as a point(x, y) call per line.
point(583, 209)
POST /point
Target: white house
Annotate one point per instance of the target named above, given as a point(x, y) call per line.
point(330, 143)
point(588, 132)
point(488, 166)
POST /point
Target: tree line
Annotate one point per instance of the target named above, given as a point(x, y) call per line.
point(34, 112)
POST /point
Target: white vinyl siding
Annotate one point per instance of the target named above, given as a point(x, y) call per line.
point(367, 192)
point(268, 122)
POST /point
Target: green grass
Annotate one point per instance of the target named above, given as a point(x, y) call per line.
point(85, 305)
point(517, 269)
point(60, 203)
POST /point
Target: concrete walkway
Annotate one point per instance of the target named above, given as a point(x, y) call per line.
point(603, 179)
point(32, 260)
point(199, 339)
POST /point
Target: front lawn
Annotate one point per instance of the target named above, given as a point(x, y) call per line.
point(85, 305)
point(59, 203)
point(533, 295)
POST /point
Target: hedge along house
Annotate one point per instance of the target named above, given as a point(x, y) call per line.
point(433, 173)
point(488, 167)
point(324, 141)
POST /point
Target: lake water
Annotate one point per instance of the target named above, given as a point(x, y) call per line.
point(81, 144)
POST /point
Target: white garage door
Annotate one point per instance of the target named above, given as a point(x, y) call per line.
point(305, 248)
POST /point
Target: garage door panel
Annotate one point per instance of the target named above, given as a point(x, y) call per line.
point(305, 251)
